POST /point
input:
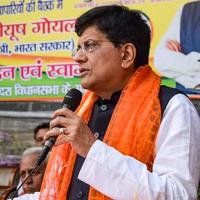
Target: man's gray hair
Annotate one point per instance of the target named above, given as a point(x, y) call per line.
point(31, 151)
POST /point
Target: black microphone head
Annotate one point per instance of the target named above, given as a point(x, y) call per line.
point(72, 99)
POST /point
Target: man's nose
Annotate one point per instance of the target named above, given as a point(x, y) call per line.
point(79, 56)
point(29, 180)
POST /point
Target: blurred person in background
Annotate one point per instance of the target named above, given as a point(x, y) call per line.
point(39, 132)
point(27, 164)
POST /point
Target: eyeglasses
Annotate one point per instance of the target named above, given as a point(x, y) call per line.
point(88, 46)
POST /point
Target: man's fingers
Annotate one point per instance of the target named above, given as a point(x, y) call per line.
point(62, 139)
point(62, 112)
point(60, 121)
point(51, 133)
point(173, 45)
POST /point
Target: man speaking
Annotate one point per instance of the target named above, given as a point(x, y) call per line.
point(130, 138)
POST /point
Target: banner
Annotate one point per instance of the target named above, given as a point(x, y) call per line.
point(37, 39)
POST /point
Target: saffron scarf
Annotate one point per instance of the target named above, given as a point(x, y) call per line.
point(132, 131)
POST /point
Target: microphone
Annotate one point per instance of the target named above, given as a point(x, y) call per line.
point(71, 101)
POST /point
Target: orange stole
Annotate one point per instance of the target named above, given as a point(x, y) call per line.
point(132, 130)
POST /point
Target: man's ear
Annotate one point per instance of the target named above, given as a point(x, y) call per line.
point(128, 55)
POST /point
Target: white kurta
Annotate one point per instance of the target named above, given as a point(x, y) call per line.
point(176, 167)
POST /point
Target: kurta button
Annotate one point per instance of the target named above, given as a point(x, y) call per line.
point(104, 107)
point(80, 194)
point(96, 135)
